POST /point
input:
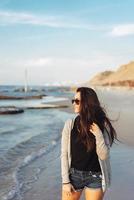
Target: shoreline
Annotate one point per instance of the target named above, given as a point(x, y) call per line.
point(5, 97)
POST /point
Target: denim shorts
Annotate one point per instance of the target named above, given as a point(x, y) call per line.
point(85, 179)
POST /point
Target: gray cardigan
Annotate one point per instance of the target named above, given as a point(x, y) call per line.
point(102, 149)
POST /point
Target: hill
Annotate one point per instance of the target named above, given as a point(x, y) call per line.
point(124, 76)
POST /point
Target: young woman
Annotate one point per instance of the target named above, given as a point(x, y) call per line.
point(85, 149)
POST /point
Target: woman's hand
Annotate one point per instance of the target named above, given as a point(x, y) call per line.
point(68, 188)
point(95, 129)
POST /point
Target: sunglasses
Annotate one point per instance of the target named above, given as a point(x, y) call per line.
point(77, 101)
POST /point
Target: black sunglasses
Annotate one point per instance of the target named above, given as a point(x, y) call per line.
point(77, 101)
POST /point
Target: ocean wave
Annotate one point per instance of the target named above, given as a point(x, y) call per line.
point(15, 190)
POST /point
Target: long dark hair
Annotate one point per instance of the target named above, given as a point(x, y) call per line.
point(91, 111)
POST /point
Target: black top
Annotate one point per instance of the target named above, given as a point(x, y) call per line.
point(80, 158)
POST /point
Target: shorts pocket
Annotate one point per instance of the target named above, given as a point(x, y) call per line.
point(97, 175)
point(74, 176)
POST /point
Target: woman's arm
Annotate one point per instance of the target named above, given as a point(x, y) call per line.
point(102, 142)
point(102, 148)
point(64, 153)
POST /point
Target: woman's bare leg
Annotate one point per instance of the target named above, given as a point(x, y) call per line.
point(94, 194)
point(72, 196)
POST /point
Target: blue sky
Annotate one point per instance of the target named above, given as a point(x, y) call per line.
point(63, 41)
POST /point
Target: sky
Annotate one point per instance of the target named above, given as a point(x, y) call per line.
point(63, 41)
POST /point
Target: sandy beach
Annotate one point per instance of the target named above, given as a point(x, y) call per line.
point(48, 184)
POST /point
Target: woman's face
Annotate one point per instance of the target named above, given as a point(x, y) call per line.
point(76, 104)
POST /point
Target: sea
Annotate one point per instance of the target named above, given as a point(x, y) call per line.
point(27, 136)
point(30, 144)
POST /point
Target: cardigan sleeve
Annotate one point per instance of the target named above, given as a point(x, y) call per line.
point(64, 153)
point(102, 145)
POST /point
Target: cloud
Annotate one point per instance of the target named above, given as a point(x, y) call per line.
point(62, 69)
point(39, 62)
point(96, 59)
point(63, 62)
point(122, 30)
point(25, 18)
point(11, 18)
